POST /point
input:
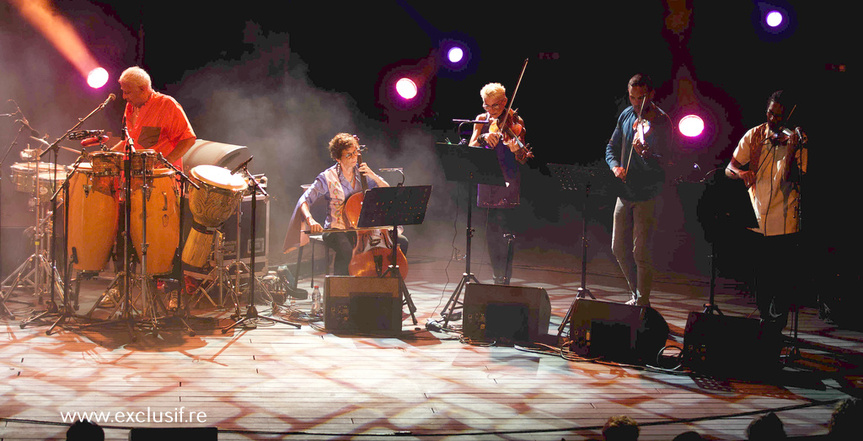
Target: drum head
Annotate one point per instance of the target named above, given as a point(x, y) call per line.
point(219, 177)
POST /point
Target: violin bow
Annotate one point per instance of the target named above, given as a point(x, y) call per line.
point(514, 92)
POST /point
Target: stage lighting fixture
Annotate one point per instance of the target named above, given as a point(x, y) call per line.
point(691, 126)
point(455, 54)
point(406, 88)
point(774, 18)
point(97, 78)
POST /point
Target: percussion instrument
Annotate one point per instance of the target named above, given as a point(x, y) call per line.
point(93, 213)
point(24, 177)
point(161, 199)
point(211, 205)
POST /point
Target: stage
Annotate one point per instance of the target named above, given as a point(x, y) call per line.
point(279, 382)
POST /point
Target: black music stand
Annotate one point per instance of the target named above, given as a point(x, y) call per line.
point(472, 165)
point(723, 207)
point(576, 178)
point(394, 207)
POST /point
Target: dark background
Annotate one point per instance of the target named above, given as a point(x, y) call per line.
point(284, 77)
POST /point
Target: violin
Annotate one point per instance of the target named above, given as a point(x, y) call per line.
point(374, 249)
point(786, 135)
point(512, 131)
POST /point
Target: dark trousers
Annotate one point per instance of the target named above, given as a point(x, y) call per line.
point(498, 234)
point(778, 276)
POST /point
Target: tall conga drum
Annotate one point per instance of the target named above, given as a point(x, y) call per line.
point(156, 190)
point(211, 205)
point(94, 210)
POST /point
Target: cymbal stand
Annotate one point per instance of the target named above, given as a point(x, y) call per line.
point(67, 310)
point(36, 265)
point(252, 316)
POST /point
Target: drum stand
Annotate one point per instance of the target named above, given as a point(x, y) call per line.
point(217, 276)
point(252, 316)
point(36, 269)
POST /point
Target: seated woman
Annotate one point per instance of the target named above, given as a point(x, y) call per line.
point(336, 185)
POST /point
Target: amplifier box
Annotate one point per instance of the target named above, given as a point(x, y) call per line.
point(507, 313)
point(362, 304)
point(723, 344)
point(617, 331)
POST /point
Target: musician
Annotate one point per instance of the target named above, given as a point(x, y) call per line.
point(635, 156)
point(154, 120)
point(500, 201)
point(771, 162)
point(335, 185)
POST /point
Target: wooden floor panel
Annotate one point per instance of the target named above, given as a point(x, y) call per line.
point(278, 382)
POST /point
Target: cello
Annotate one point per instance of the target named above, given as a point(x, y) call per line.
point(373, 252)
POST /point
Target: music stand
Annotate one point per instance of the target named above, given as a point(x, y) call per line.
point(394, 207)
point(575, 178)
point(472, 165)
point(723, 207)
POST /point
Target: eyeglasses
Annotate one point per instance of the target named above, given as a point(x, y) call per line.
point(351, 154)
point(495, 106)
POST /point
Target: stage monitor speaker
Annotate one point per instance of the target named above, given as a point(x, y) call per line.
point(505, 313)
point(616, 331)
point(173, 433)
point(727, 345)
point(362, 304)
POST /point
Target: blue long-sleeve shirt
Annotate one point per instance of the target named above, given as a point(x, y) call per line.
point(645, 177)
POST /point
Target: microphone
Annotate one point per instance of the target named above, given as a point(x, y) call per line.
point(394, 169)
point(243, 164)
point(82, 134)
point(8, 115)
point(108, 100)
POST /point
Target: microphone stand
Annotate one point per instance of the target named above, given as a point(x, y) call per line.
point(252, 316)
point(67, 310)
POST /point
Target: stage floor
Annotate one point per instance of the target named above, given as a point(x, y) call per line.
point(279, 382)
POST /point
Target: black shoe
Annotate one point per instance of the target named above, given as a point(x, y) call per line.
point(296, 293)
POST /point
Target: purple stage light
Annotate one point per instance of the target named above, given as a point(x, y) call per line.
point(691, 126)
point(406, 88)
point(774, 18)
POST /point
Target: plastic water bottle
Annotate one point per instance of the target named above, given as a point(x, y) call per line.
point(317, 307)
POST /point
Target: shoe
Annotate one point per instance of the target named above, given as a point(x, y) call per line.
point(172, 300)
point(296, 293)
point(110, 299)
point(638, 302)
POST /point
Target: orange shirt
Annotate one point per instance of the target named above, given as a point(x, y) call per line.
point(158, 125)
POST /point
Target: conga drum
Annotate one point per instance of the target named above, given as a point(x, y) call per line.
point(211, 205)
point(160, 196)
point(93, 210)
